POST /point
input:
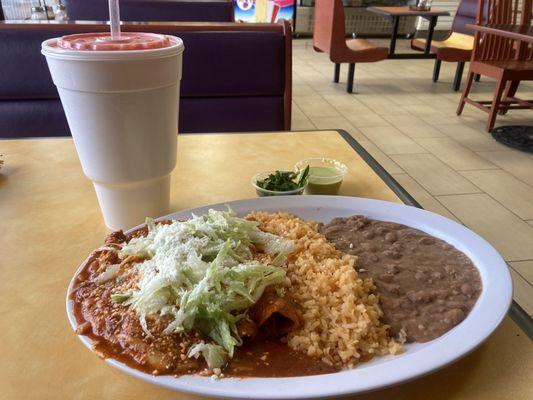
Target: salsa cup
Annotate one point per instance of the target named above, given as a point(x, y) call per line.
point(265, 192)
point(325, 175)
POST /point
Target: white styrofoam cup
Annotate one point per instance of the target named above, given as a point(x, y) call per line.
point(122, 110)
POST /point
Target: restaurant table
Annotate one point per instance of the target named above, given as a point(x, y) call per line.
point(516, 136)
point(50, 222)
point(395, 13)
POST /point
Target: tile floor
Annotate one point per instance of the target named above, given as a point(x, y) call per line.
point(448, 163)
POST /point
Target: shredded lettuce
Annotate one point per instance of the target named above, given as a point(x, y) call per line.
point(214, 355)
point(120, 297)
point(201, 273)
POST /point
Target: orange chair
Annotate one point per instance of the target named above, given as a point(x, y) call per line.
point(329, 36)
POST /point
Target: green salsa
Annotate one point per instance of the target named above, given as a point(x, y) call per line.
point(324, 180)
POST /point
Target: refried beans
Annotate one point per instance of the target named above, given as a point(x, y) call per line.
point(425, 285)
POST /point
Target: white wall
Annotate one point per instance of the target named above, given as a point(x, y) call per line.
point(16, 9)
point(443, 23)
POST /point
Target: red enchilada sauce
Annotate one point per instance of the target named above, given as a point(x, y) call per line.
point(116, 331)
point(255, 358)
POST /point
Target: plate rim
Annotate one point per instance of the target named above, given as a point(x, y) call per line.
point(205, 386)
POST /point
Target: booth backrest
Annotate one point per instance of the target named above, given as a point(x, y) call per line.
point(153, 10)
point(236, 77)
point(466, 14)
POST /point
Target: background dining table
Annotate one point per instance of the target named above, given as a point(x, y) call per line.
point(394, 13)
point(50, 221)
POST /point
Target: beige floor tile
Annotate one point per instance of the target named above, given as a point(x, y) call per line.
point(422, 130)
point(382, 106)
point(522, 293)
point(343, 100)
point(390, 166)
point(311, 76)
point(441, 118)
point(403, 99)
point(413, 126)
point(315, 106)
point(525, 269)
point(475, 140)
point(422, 110)
point(338, 123)
point(391, 141)
point(515, 162)
point(435, 176)
point(363, 119)
point(455, 155)
point(299, 120)
point(403, 120)
point(322, 85)
point(484, 215)
point(355, 109)
point(427, 201)
point(302, 89)
point(301, 124)
point(505, 188)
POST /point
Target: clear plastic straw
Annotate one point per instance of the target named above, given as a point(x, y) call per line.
point(114, 19)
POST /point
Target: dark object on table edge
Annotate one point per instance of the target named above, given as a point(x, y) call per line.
point(518, 137)
point(421, 8)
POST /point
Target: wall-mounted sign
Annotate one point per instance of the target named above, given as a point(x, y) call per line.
point(264, 10)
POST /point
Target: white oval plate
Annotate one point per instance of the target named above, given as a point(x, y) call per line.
point(419, 358)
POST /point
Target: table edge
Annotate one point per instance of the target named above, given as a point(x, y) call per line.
point(387, 178)
point(516, 312)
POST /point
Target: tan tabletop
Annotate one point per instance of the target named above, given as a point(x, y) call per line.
point(50, 221)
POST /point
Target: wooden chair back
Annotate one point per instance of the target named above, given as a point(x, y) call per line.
point(329, 34)
point(488, 47)
point(505, 12)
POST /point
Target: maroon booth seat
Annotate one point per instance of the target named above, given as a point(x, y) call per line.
point(153, 10)
point(236, 77)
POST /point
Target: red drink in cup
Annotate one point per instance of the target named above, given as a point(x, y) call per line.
point(121, 98)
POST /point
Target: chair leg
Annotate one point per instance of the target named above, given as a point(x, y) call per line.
point(436, 70)
point(494, 108)
point(477, 77)
point(510, 91)
point(349, 86)
point(458, 76)
point(466, 90)
point(337, 73)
